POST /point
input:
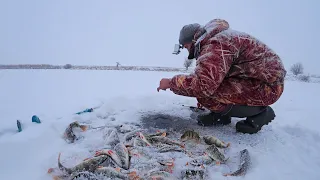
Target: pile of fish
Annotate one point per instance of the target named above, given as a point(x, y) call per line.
point(136, 154)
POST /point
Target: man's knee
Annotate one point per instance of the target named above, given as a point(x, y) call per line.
point(242, 111)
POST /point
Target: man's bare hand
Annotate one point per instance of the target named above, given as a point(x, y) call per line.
point(164, 84)
point(199, 105)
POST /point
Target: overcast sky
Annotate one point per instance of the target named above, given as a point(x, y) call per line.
point(143, 32)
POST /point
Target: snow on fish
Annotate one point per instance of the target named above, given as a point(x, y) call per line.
point(112, 138)
point(123, 154)
point(245, 162)
point(114, 173)
point(213, 152)
point(190, 135)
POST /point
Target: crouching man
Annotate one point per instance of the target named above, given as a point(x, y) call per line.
point(236, 75)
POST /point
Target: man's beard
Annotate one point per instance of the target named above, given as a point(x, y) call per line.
point(191, 52)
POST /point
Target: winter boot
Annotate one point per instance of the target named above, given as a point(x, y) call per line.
point(256, 120)
point(256, 117)
point(213, 119)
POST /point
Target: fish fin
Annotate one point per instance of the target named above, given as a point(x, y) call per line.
point(118, 169)
point(56, 178)
point(133, 173)
point(98, 153)
point(228, 144)
point(61, 167)
point(86, 159)
point(218, 163)
point(50, 170)
point(136, 154)
point(128, 145)
point(83, 127)
point(164, 134)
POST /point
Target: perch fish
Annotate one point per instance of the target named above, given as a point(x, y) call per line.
point(210, 140)
point(245, 162)
point(213, 152)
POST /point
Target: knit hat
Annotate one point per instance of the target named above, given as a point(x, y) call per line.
point(187, 33)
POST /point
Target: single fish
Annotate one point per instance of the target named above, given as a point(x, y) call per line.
point(87, 165)
point(213, 140)
point(245, 162)
point(123, 154)
point(69, 134)
point(190, 135)
point(165, 140)
point(213, 152)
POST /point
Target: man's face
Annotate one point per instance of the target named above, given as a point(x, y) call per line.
point(188, 46)
point(190, 49)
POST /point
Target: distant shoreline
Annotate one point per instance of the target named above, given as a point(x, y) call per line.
point(310, 78)
point(87, 67)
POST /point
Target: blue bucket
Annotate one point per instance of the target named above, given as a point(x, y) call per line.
point(36, 119)
point(19, 126)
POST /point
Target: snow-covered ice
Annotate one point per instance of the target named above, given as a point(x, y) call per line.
point(288, 148)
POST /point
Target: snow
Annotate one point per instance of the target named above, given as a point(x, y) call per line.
point(288, 148)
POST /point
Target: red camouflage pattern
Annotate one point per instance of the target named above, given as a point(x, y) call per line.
point(232, 68)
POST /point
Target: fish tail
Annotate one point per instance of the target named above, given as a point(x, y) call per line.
point(83, 127)
point(228, 144)
point(118, 169)
point(132, 174)
point(61, 167)
point(226, 159)
point(50, 170)
point(56, 178)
